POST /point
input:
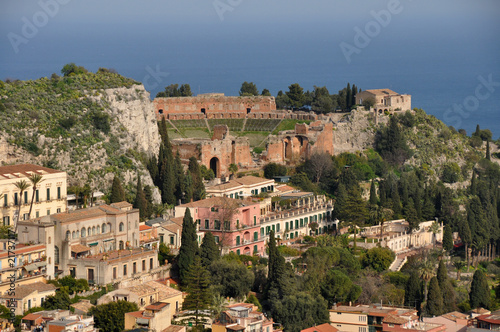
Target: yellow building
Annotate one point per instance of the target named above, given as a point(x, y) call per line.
point(48, 197)
point(27, 296)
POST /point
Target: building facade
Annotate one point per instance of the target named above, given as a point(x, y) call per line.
point(385, 100)
point(48, 198)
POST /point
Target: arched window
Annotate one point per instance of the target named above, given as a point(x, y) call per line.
point(68, 235)
point(103, 228)
point(98, 229)
point(84, 232)
point(89, 231)
point(73, 235)
point(77, 234)
point(121, 227)
point(121, 247)
point(93, 230)
point(56, 255)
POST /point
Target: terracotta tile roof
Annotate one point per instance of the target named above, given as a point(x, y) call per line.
point(121, 205)
point(174, 328)
point(231, 184)
point(382, 91)
point(88, 213)
point(235, 327)
point(393, 319)
point(454, 315)
point(174, 228)
point(494, 319)
point(32, 316)
point(138, 314)
point(82, 305)
point(144, 227)
point(24, 290)
point(78, 248)
point(251, 180)
point(482, 311)
point(151, 287)
point(285, 188)
point(321, 328)
point(157, 306)
point(177, 220)
point(9, 172)
point(22, 249)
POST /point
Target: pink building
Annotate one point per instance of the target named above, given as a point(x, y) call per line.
point(234, 222)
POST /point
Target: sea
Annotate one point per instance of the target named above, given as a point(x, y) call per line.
point(456, 79)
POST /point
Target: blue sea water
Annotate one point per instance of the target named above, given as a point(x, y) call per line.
point(439, 72)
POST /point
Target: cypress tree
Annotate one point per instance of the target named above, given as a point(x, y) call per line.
point(442, 273)
point(340, 201)
point(189, 246)
point(348, 96)
point(473, 185)
point(153, 170)
point(479, 295)
point(179, 177)
point(488, 156)
point(447, 238)
point(140, 199)
point(188, 184)
point(396, 202)
point(209, 251)
point(477, 132)
point(198, 186)
point(434, 306)
point(117, 192)
point(413, 291)
point(373, 194)
point(199, 296)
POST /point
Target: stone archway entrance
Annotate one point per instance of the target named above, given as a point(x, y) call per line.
point(215, 166)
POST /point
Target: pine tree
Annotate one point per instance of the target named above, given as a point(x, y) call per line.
point(199, 298)
point(479, 295)
point(117, 192)
point(413, 291)
point(434, 306)
point(447, 238)
point(373, 194)
point(488, 156)
point(140, 200)
point(189, 246)
point(209, 251)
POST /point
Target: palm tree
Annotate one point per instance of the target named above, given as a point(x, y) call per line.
point(22, 185)
point(219, 305)
point(426, 271)
point(35, 179)
point(458, 264)
point(435, 229)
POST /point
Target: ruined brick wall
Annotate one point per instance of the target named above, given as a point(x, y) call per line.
point(213, 106)
point(301, 128)
point(324, 142)
point(187, 149)
point(241, 153)
point(220, 132)
point(275, 151)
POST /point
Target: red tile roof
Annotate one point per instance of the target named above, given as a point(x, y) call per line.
point(32, 316)
point(321, 328)
point(144, 227)
point(23, 170)
point(157, 306)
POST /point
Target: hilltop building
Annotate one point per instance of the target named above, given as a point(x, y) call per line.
point(241, 317)
point(385, 100)
point(49, 197)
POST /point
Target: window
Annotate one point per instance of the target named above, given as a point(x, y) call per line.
point(255, 236)
point(16, 201)
point(150, 263)
point(103, 228)
point(238, 240)
point(68, 235)
point(48, 212)
point(25, 197)
point(58, 192)
point(254, 220)
point(255, 249)
point(297, 223)
point(144, 265)
point(121, 227)
point(291, 224)
point(83, 232)
point(37, 196)
point(217, 224)
point(238, 252)
point(6, 220)
point(48, 194)
point(37, 214)
point(114, 272)
point(125, 270)
point(361, 329)
point(58, 210)
point(73, 235)
point(207, 224)
point(134, 267)
point(227, 225)
point(216, 239)
point(5, 201)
